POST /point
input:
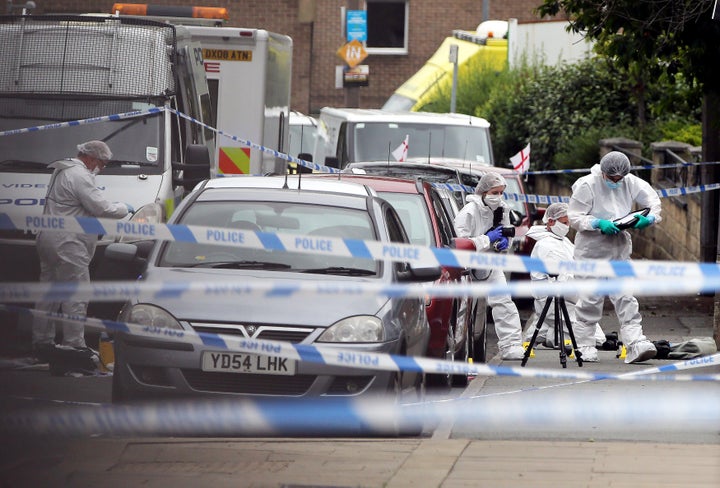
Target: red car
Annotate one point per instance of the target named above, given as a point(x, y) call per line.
point(455, 171)
point(457, 330)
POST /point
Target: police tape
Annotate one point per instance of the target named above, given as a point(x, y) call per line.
point(91, 120)
point(593, 413)
point(259, 147)
point(632, 168)
point(536, 199)
point(337, 246)
point(548, 199)
point(337, 355)
point(541, 199)
point(255, 288)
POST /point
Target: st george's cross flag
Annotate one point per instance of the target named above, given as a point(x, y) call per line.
point(521, 161)
point(400, 153)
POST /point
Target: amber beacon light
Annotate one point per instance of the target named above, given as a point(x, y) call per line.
point(143, 9)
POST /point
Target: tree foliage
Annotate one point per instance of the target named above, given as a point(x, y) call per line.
point(648, 38)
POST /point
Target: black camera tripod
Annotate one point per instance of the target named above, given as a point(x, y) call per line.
point(559, 331)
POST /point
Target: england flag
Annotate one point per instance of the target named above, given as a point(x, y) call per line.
point(400, 153)
point(521, 161)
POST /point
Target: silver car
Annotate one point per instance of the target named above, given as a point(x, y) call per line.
point(149, 367)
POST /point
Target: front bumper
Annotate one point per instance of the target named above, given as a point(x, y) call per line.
point(150, 368)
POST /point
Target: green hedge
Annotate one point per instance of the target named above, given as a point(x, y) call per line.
point(564, 111)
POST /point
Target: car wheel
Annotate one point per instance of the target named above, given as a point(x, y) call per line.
point(119, 395)
point(119, 390)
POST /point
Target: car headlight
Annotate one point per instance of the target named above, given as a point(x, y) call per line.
point(150, 315)
point(361, 328)
point(152, 213)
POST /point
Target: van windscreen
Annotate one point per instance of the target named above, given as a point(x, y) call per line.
point(375, 141)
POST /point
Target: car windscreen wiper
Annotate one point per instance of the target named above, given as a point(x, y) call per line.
point(115, 163)
point(341, 270)
point(24, 165)
point(238, 265)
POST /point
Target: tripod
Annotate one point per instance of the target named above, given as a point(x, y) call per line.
point(559, 331)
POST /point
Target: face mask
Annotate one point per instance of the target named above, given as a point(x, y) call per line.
point(560, 229)
point(492, 201)
point(612, 185)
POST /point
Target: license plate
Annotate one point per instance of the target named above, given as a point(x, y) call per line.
point(234, 362)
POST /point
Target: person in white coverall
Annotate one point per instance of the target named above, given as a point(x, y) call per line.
point(66, 256)
point(551, 244)
point(477, 220)
point(610, 192)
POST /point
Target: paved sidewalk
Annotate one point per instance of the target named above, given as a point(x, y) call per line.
point(217, 463)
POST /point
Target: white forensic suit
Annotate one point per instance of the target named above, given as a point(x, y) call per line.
point(66, 256)
point(592, 199)
point(473, 221)
point(551, 247)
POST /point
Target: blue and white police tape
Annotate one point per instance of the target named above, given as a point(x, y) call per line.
point(632, 168)
point(590, 413)
point(249, 288)
point(536, 199)
point(548, 199)
point(336, 246)
point(260, 147)
point(337, 355)
point(91, 120)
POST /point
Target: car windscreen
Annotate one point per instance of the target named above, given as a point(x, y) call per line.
point(310, 222)
point(135, 142)
point(375, 141)
point(414, 215)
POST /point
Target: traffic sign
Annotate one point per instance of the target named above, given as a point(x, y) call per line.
point(353, 53)
point(356, 25)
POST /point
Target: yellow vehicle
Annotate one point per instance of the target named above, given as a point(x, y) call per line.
point(488, 47)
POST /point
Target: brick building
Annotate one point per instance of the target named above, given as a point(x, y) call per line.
point(316, 29)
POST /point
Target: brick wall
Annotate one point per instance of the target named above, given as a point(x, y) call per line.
point(315, 43)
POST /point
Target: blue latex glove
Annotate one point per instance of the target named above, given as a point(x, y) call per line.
point(130, 208)
point(605, 226)
point(501, 244)
point(644, 221)
point(494, 234)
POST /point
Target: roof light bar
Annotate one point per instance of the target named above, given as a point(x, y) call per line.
point(143, 9)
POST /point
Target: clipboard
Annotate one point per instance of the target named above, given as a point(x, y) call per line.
point(629, 220)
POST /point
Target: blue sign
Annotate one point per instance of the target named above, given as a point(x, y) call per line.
point(356, 25)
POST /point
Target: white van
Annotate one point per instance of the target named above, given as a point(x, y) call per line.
point(351, 135)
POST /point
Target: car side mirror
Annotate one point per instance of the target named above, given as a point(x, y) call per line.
point(196, 167)
point(305, 157)
point(128, 252)
point(332, 162)
point(516, 218)
point(409, 273)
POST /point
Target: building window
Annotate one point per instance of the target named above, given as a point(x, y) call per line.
point(387, 26)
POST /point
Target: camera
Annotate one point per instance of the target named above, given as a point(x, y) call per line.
point(507, 232)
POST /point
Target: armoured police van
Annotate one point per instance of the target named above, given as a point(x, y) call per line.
point(65, 80)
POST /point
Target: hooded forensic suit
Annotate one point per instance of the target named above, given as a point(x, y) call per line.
point(473, 221)
point(66, 256)
point(551, 247)
point(592, 201)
